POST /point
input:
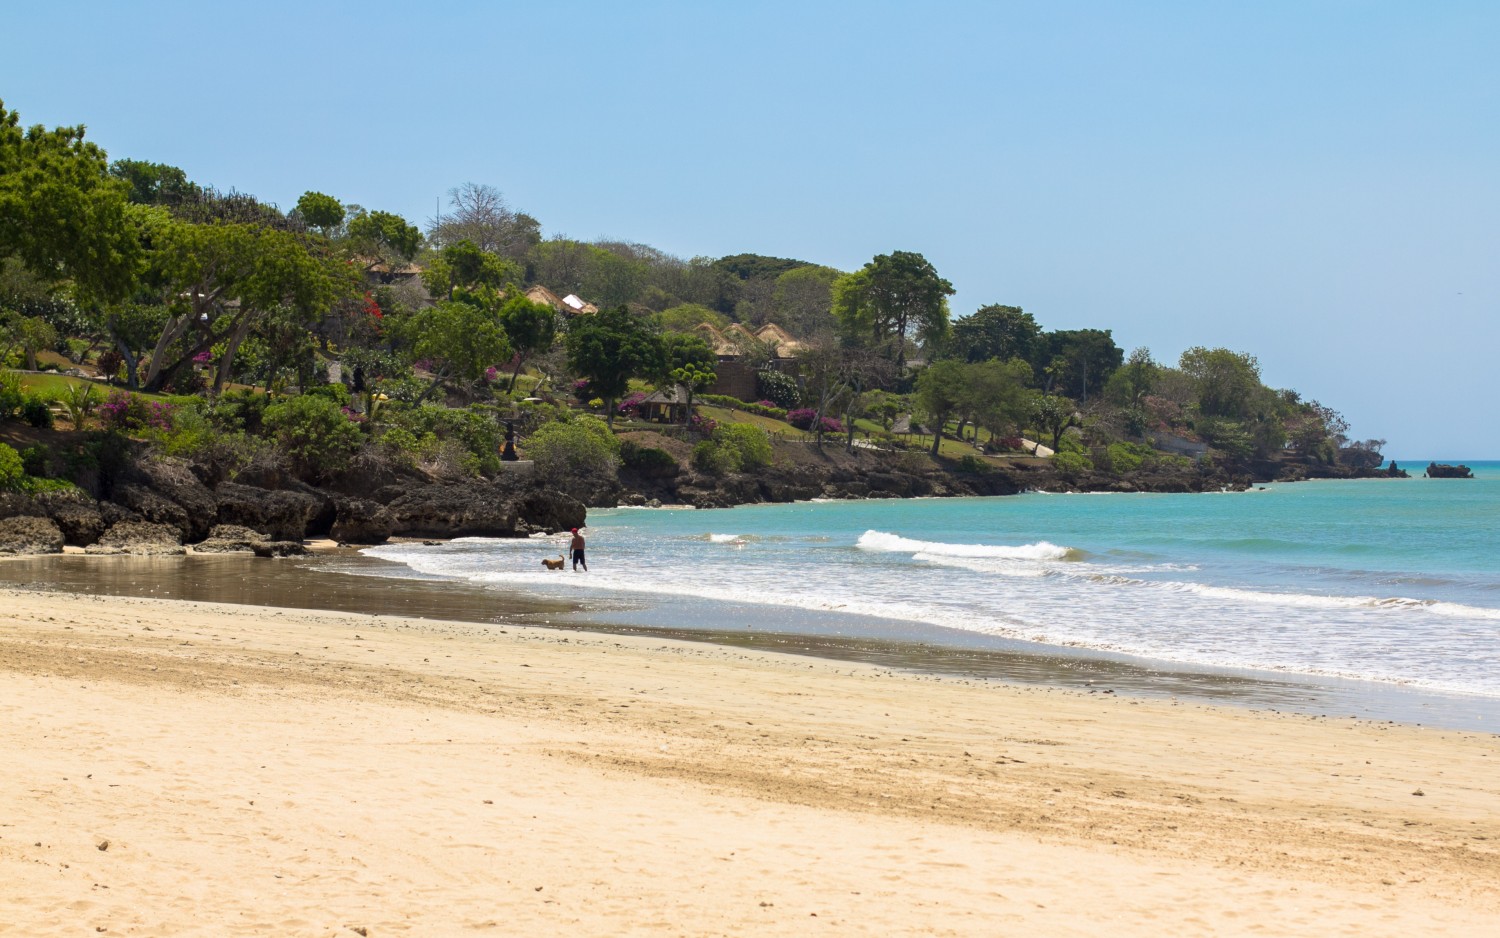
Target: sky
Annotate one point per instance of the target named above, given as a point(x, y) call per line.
point(1313, 183)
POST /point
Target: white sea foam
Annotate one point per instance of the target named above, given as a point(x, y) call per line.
point(893, 543)
point(723, 538)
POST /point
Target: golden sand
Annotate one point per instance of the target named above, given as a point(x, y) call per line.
point(178, 768)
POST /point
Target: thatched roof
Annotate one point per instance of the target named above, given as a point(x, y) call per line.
point(716, 340)
point(772, 334)
point(570, 305)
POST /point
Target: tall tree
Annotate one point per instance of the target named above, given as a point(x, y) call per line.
point(803, 299)
point(608, 349)
point(1079, 361)
point(942, 388)
point(219, 280)
point(894, 299)
point(461, 340)
point(61, 212)
point(323, 212)
point(155, 183)
point(995, 331)
point(1226, 382)
point(479, 214)
point(531, 328)
point(379, 234)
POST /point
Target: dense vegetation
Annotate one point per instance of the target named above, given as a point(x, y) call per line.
point(332, 335)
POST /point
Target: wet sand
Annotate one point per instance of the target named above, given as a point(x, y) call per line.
point(187, 768)
point(341, 580)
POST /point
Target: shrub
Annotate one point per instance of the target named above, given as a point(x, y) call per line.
point(736, 447)
point(778, 388)
point(11, 395)
point(647, 460)
point(34, 410)
point(313, 433)
point(752, 444)
point(337, 393)
point(12, 471)
point(240, 410)
point(1124, 458)
point(110, 363)
point(80, 399)
point(580, 447)
point(37, 460)
point(972, 463)
point(1072, 464)
point(474, 431)
point(125, 411)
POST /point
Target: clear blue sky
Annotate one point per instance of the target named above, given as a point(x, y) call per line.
point(1315, 183)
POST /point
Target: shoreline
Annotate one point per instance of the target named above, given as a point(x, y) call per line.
point(258, 770)
point(308, 584)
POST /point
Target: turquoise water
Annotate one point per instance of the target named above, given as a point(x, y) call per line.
point(1382, 580)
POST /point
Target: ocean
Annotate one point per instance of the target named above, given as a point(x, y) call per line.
point(1395, 582)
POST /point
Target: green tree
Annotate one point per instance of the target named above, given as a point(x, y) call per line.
point(219, 280)
point(608, 349)
point(1079, 361)
point(461, 340)
point(531, 328)
point(942, 389)
point(1054, 414)
point(894, 299)
point(1226, 382)
point(155, 183)
point(803, 299)
point(1134, 381)
point(995, 331)
point(465, 264)
point(996, 397)
point(326, 213)
point(35, 334)
point(379, 234)
point(61, 212)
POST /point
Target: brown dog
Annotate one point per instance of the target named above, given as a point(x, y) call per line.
point(551, 564)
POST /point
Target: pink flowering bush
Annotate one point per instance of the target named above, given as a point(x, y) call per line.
point(125, 411)
point(803, 418)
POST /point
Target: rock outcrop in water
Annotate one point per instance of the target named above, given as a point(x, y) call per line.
point(1439, 470)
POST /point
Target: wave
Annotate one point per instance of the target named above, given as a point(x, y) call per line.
point(882, 542)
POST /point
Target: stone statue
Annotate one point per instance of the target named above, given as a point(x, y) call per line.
point(508, 454)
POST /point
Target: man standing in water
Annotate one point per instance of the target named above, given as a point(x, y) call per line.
point(578, 552)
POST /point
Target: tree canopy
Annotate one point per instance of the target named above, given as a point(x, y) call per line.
point(895, 298)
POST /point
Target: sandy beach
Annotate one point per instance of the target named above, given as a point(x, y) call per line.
point(180, 768)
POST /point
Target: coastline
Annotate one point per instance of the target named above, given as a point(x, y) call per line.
point(341, 580)
point(251, 769)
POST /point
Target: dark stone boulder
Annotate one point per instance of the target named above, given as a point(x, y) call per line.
point(279, 515)
point(169, 482)
point(76, 514)
point(360, 521)
point(29, 534)
point(139, 537)
point(453, 511)
point(278, 548)
point(16, 505)
point(548, 512)
point(157, 509)
point(229, 539)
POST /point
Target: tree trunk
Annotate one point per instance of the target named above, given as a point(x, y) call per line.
point(436, 380)
point(520, 360)
point(131, 381)
point(937, 433)
point(226, 363)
